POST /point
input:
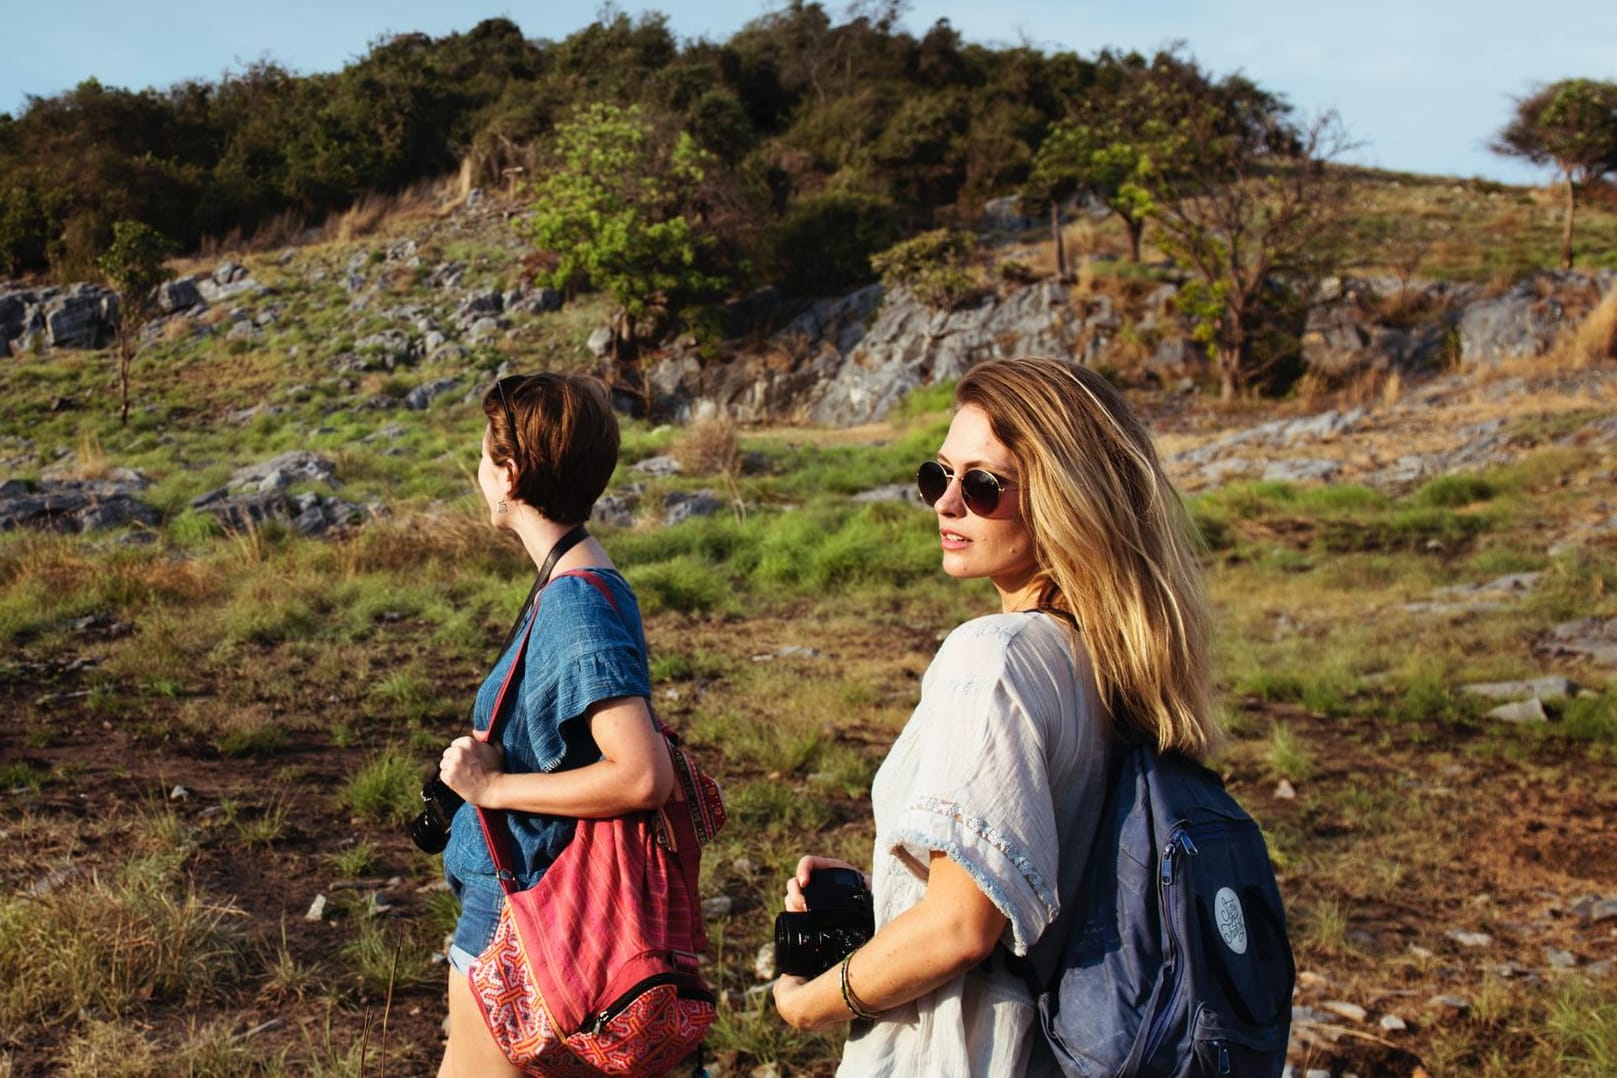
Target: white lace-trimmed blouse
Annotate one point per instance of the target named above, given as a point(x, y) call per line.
point(1001, 767)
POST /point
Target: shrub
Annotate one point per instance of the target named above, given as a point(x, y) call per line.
point(826, 242)
point(934, 267)
point(1453, 492)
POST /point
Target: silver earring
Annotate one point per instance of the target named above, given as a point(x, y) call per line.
point(502, 506)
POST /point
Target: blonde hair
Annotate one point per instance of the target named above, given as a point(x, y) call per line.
point(1115, 547)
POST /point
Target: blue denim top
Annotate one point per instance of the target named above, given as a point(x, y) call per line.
point(581, 651)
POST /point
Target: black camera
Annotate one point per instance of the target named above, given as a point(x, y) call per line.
point(430, 830)
point(840, 917)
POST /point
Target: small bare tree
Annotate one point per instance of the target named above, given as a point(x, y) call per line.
point(1256, 231)
point(134, 268)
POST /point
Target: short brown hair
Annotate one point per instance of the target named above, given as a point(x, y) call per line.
point(565, 445)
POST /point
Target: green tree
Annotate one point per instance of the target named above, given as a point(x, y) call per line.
point(1256, 233)
point(1572, 125)
point(1137, 124)
point(133, 265)
point(28, 221)
point(1107, 163)
point(619, 207)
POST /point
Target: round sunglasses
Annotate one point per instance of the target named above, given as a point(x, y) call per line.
point(979, 489)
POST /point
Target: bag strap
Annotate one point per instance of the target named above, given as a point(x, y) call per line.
point(496, 831)
point(683, 832)
point(575, 535)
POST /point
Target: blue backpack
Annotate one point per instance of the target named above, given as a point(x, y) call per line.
point(1176, 961)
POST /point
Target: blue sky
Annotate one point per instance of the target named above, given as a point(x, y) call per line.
point(1422, 85)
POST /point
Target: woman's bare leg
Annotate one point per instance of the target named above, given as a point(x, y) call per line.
point(470, 1051)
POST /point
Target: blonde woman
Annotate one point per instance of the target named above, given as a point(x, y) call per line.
point(986, 806)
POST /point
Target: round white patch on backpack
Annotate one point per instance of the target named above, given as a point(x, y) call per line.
point(1231, 924)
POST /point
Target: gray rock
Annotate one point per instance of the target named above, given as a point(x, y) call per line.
point(81, 316)
point(1469, 939)
point(389, 349)
point(1594, 639)
point(600, 342)
point(484, 328)
point(1301, 470)
point(178, 295)
point(1344, 1009)
point(1544, 688)
point(892, 492)
point(680, 506)
point(539, 301)
point(447, 276)
point(1520, 711)
point(482, 302)
point(717, 906)
point(308, 514)
point(423, 395)
point(1559, 959)
point(1526, 320)
point(1595, 910)
point(1005, 214)
point(658, 467)
point(617, 509)
point(1175, 356)
point(214, 292)
point(763, 965)
point(284, 469)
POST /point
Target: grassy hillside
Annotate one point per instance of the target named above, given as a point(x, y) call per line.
point(211, 729)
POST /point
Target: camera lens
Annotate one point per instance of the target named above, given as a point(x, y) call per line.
point(799, 946)
point(426, 833)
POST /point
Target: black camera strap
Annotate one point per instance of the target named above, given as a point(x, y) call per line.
point(576, 535)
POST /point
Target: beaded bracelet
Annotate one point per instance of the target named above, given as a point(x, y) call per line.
point(855, 1005)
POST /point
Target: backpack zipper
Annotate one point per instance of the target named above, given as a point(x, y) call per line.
point(596, 1025)
point(1177, 839)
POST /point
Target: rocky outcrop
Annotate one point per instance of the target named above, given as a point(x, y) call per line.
point(1527, 320)
point(258, 493)
point(851, 359)
point(75, 505)
point(910, 344)
point(77, 316)
point(839, 361)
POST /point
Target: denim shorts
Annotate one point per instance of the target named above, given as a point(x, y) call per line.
point(479, 917)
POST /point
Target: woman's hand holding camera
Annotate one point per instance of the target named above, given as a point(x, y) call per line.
point(806, 867)
point(810, 947)
point(469, 767)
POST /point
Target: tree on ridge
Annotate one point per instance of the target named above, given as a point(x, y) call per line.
point(1572, 125)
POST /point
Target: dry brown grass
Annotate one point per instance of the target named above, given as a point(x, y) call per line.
point(90, 461)
point(1595, 339)
point(360, 219)
point(375, 213)
point(709, 447)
